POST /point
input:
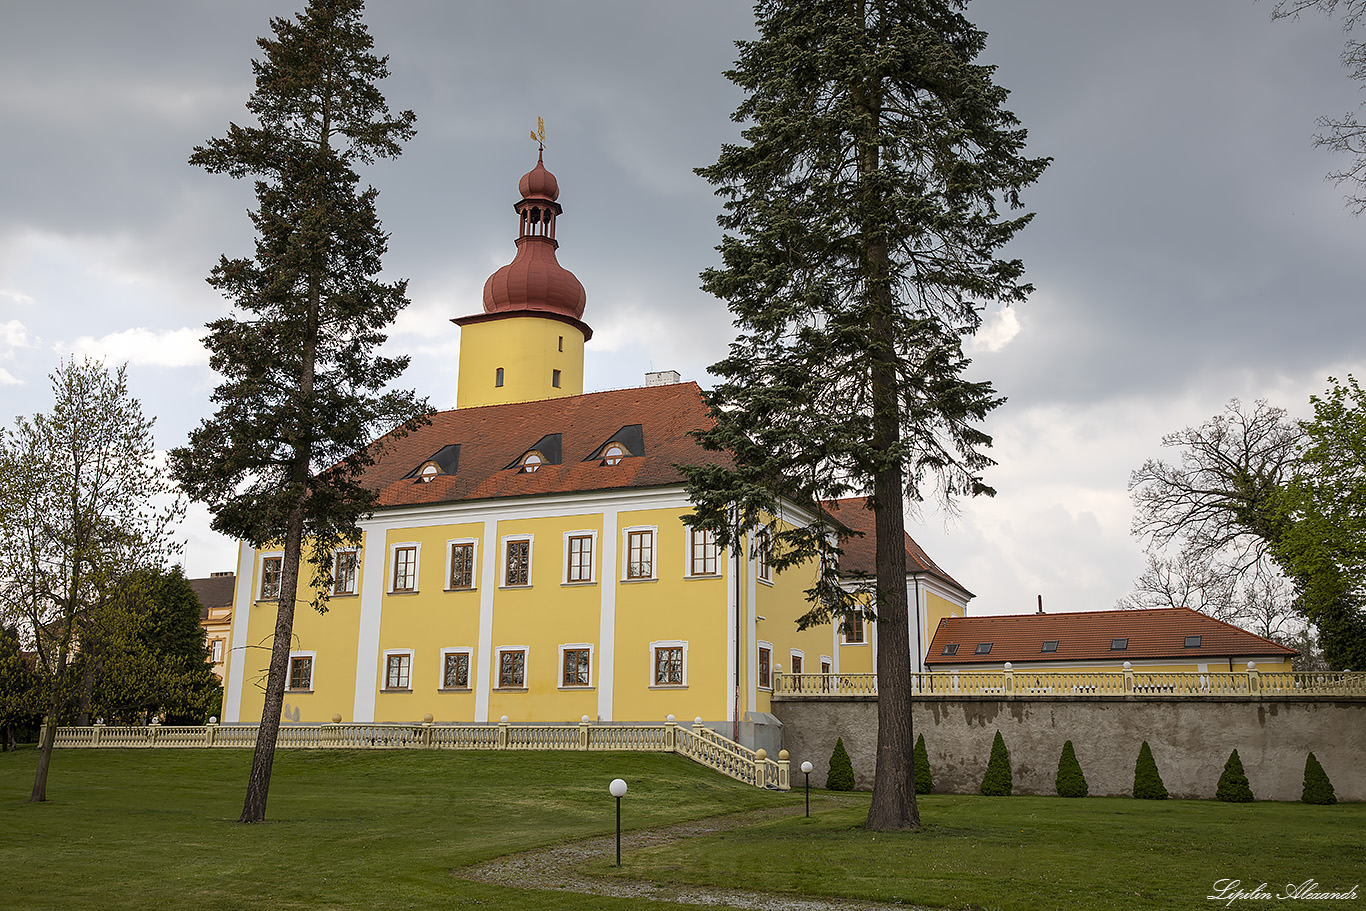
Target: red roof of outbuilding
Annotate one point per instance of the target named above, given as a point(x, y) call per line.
point(492, 437)
point(1087, 636)
point(860, 553)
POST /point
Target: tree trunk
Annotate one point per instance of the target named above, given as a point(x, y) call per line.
point(49, 738)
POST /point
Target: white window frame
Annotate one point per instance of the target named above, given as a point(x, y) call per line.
point(261, 573)
point(626, 554)
point(688, 555)
point(474, 564)
point(798, 654)
point(827, 660)
point(668, 643)
point(336, 556)
point(576, 646)
point(863, 625)
point(759, 647)
point(592, 557)
point(469, 668)
point(498, 667)
point(763, 555)
point(393, 567)
point(384, 670)
point(530, 560)
point(216, 649)
point(312, 673)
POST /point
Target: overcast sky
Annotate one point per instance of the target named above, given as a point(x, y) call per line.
point(1187, 248)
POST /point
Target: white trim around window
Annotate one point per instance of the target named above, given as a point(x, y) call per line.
point(763, 557)
point(626, 562)
point(355, 571)
point(699, 550)
point(861, 627)
point(441, 683)
point(401, 680)
point(795, 657)
point(567, 575)
point(681, 679)
point(451, 544)
point(261, 559)
point(530, 558)
point(576, 647)
point(498, 654)
point(312, 672)
point(392, 583)
point(763, 649)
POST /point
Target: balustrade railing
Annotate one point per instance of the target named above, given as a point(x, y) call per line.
point(1016, 682)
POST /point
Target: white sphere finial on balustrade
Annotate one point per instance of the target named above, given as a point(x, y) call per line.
point(504, 719)
point(213, 719)
point(1009, 665)
point(669, 718)
point(1252, 665)
point(585, 719)
point(1128, 666)
point(697, 722)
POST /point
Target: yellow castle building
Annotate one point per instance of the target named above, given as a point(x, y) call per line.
point(528, 558)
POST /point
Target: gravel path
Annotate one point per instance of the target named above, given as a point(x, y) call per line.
point(562, 868)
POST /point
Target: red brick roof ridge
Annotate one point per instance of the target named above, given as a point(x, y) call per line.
point(859, 551)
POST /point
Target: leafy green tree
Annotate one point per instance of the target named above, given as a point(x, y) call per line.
point(924, 781)
point(1323, 546)
point(998, 781)
point(1317, 788)
point(1233, 784)
point(21, 696)
point(77, 494)
point(1147, 780)
point(302, 397)
point(841, 774)
point(863, 226)
point(1070, 782)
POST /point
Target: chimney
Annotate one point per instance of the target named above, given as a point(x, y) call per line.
point(1041, 604)
point(662, 377)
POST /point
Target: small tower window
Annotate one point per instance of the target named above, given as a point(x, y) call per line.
point(498, 377)
point(562, 343)
point(555, 378)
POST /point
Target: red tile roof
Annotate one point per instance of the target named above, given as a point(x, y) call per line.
point(1087, 636)
point(860, 553)
point(491, 437)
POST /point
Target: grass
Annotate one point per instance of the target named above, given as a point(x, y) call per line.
point(138, 828)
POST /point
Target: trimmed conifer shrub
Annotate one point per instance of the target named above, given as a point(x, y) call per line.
point(841, 775)
point(998, 782)
point(1147, 781)
point(1317, 787)
point(1070, 781)
point(924, 784)
point(1233, 786)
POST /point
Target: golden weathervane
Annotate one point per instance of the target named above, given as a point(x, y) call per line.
point(538, 134)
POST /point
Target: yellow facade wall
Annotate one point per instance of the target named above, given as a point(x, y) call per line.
point(528, 349)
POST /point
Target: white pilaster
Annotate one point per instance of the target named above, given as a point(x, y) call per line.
point(371, 611)
point(488, 587)
point(609, 578)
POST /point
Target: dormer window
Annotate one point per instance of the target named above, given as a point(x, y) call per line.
point(429, 471)
point(1192, 642)
point(1050, 646)
point(532, 461)
point(950, 649)
point(613, 454)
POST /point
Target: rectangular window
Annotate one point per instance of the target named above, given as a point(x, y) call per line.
point(580, 558)
point(825, 665)
point(668, 666)
point(1192, 642)
point(216, 649)
point(796, 663)
point(562, 343)
point(462, 566)
point(762, 545)
point(984, 648)
point(1119, 645)
point(765, 667)
point(270, 578)
point(455, 670)
point(344, 573)
point(398, 672)
point(852, 628)
point(517, 570)
point(702, 552)
point(555, 378)
point(301, 673)
point(405, 569)
point(640, 555)
point(512, 668)
point(1050, 646)
point(576, 661)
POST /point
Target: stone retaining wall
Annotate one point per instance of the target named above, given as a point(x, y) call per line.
point(1191, 739)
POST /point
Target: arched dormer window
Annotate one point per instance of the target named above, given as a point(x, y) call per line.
point(428, 472)
point(532, 461)
point(498, 377)
point(613, 454)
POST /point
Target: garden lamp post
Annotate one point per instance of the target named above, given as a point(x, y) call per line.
point(806, 770)
point(618, 790)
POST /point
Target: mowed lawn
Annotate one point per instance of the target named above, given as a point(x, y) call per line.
point(375, 830)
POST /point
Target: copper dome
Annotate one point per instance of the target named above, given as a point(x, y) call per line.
point(539, 183)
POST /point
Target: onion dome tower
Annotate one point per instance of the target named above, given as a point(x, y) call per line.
point(528, 342)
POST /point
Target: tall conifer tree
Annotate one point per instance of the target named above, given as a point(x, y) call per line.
point(863, 225)
point(303, 393)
